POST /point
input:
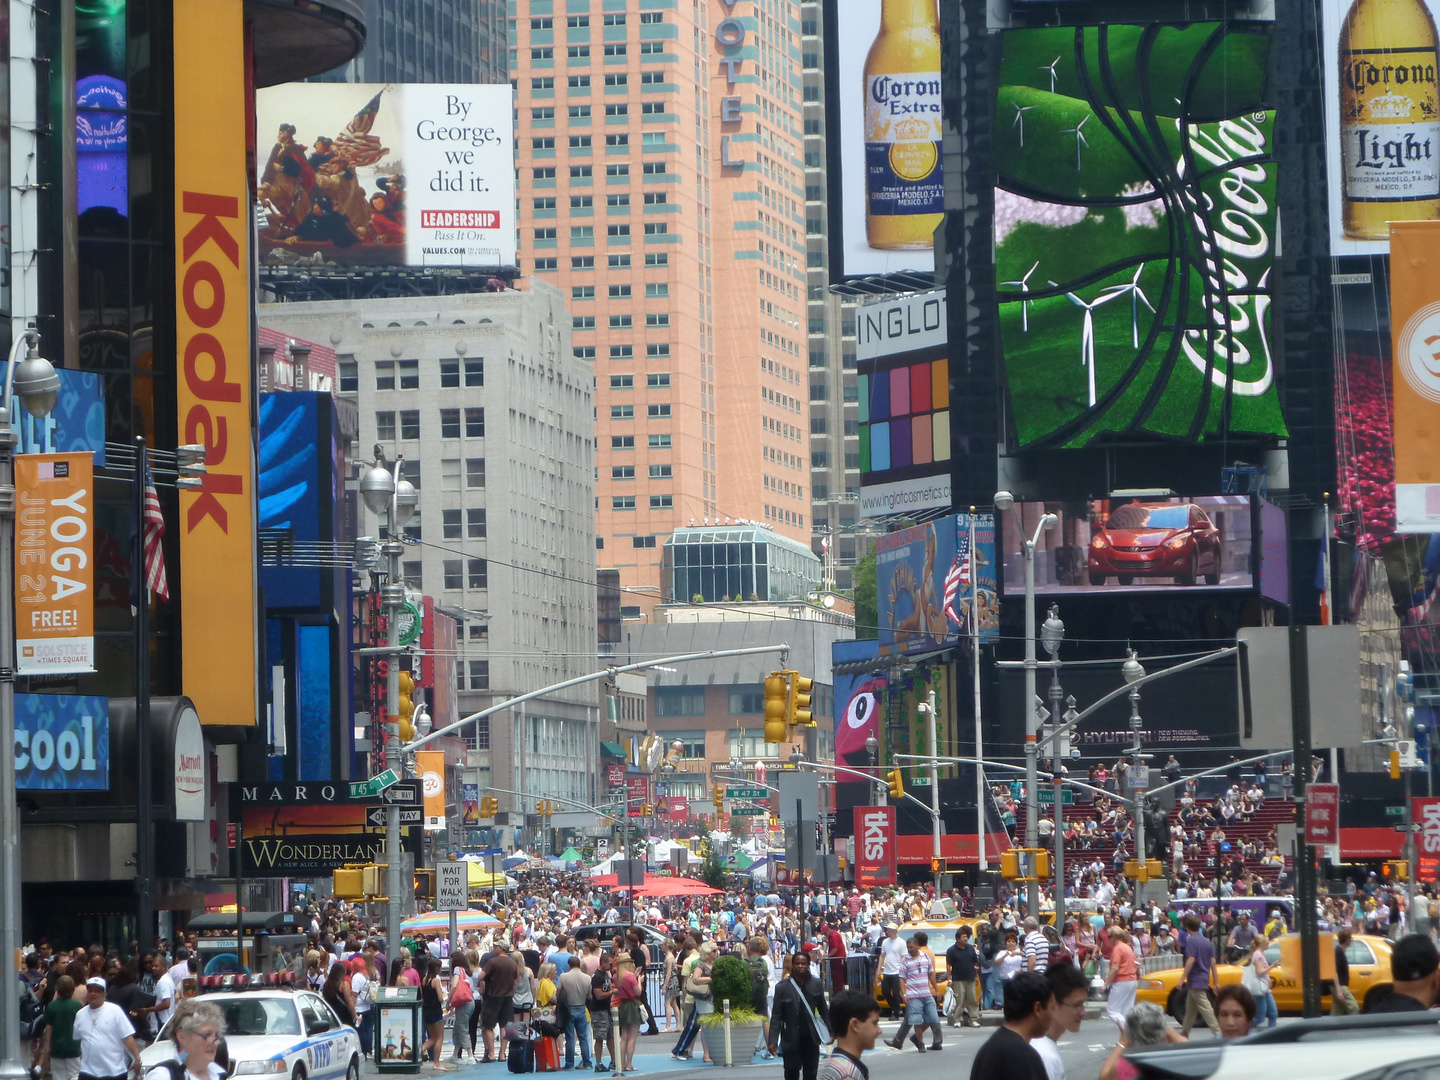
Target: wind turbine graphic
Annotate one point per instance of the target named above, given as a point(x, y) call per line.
point(1137, 297)
point(1080, 140)
point(1024, 284)
point(1087, 333)
point(1050, 67)
point(1020, 111)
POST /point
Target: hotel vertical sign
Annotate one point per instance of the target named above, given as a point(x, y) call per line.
point(212, 323)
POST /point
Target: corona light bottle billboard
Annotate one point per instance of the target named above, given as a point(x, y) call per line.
point(904, 185)
point(1389, 117)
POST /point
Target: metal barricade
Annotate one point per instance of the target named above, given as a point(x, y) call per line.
point(655, 993)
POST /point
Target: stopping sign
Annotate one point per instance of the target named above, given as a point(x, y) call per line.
point(1322, 814)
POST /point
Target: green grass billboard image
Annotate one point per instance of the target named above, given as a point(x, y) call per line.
point(1135, 231)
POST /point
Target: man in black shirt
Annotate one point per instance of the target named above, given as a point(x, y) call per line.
point(1342, 1002)
point(961, 963)
point(793, 1031)
point(1008, 1055)
point(1415, 967)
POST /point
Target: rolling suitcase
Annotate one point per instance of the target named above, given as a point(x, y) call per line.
point(547, 1053)
point(521, 1056)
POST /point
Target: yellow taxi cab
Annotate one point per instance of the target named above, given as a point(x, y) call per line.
point(1369, 958)
point(941, 928)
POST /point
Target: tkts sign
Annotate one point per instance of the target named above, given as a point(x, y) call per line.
point(874, 845)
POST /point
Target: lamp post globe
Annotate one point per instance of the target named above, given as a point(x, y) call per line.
point(36, 383)
point(377, 488)
point(1052, 631)
point(1004, 501)
point(1132, 669)
point(407, 501)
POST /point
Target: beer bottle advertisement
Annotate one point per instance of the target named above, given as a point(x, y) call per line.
point(886, 89)
point(1383, 119)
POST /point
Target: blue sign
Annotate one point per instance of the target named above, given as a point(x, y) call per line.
point(76, 423)
point(927, 578)
point(62, 742)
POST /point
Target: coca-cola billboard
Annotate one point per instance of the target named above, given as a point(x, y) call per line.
point(874, 845)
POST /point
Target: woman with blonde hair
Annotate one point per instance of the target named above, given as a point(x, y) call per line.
point(524, 997)
point(197, 1030)
point(671, 983)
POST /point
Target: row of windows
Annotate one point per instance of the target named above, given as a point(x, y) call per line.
point(619, 322)
point(582, 82)
point(627, 442)
point(587, 202)
point(579, 22)
point(409, 374)
point(582, 52)
point(653, 351)
point(654, 381)
point(648, 140)
point(479, 680)
point(627, 472)
point(627, 412)
point(620, 262)
point(409, 425)
point(627, 502)
point(653, 290)
point(587, 232)
point(587, 172)
point(582, 112)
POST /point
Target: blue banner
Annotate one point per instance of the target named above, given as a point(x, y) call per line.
point(75, 424)
point(62, 742)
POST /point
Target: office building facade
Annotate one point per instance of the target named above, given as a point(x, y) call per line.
point(437, 41)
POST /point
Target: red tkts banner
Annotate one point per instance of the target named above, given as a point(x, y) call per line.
point(1322, 814)
point(1427, 839)
point(679, 808)
point(874, 845)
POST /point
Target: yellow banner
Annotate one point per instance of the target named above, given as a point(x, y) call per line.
point(54, 563)
point(212, 323)
point(431, 764)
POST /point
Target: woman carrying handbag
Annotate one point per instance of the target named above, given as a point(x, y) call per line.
point(1255, 977)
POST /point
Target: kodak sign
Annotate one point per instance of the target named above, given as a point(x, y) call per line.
point(212, 323)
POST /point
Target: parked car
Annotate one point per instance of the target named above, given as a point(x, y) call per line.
point(1168, 540)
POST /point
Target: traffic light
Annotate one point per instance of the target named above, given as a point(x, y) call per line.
point(897, 783)
point(1396, 870)
point(349, 883)
point(777, 706)
point(425, 883)
point(489, 806)
point(937, 866)
point(545, 808)
point(373, 878)
point(797, 705)
point(648, 809)
point(1394, 764)
point(719, 797)
point(406, 708)
point(1025, 864)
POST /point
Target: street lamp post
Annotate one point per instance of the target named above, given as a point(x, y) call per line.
point(928, 707)
point(1134, 672)
point(384, 492)
point(872, 747)
point(1052, 634)
point(1004, 501)
point(35, 383)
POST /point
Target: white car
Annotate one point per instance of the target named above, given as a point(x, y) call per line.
point(287, 1035)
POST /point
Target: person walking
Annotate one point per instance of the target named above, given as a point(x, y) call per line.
point(60, 1051)
point(917, 980)
point(432, 1012)
point(364, 985)
point(462, 1002)
point(1255, 977)
point(106, 1036)
point(962, 965)
point(1198, 977)
point(571, 993)
point(893, 953)
point(1037, 947)
point(628, 1015)
point(1007, 1054)
point(699, 999)
point(1342, 1001)
point(1123, 978)
point(794, 1033)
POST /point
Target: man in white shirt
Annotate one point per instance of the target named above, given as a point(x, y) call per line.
point(1070, 995)
point(180, 970)
point(165, 996)
point(893, 954)
point(106, 1037)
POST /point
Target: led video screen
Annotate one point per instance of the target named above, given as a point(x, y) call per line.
point(1136, 545)
point(1135, 229)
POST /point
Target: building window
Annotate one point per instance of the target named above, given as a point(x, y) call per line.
point(652, 108)
point(474, 423)
point(578, 52)
point(579, 82)
point(453, 576)
point(479, 674)
point(622, 412)
point(747, 743)
point(449, 423)
point(649, 18)
point(449, 474)
point(657, 380)
point(660, 472)
point(652, 78)
point(547, 233)
point(482, 726)
point(580, 172)
point(747, 700)
point(621, 322)
point(582, 262)
point(652, 139)
point(411, 571)
point(475, 372)
point(622, 502)
point(385, 426)
point(617, 110)
point(651, 48)
point(475, 472)
point(579, 142)
point(617, 231)
point(657, 228)
point(349, 377)
point(656, 198)
point(542, 54)
point(614, 20)
point(657, 412)
point(582, 322)
point(545, 265)
point(619, 292)
point(384, 375)
point(477, 574)
point(546, 172)
point(578, 22)
point(450, 525)
point(622, 352)
point(660, 258)
point(643, 541)
point(622, 442)
point(617, 140)
point(543, 142)
point(582, 232)
point(410, 424)
point(622, 382)
point(619, 262)
point(661, 319)
point(547, 83)
point(579, 112)
point(409, 374)
point(583, 352)
point(614, 201)
point(659, 442)
point(662, 502)
point(544, 113)
point(582, 292)
point(656, 290)
point(653, 168)
point(410, 470)
point(617, 80)
point(680, 701)
point(622, 472)
point(475, 523)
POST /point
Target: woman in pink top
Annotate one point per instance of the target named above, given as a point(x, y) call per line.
point(1123, 978)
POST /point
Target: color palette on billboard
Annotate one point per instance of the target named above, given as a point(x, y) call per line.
point(882, 76)
point(1382, 119)
point(1137, 545)
point(1415, 324)
point(1135, 226)
point(925, 579)
point(903, 382)
point(414, 174)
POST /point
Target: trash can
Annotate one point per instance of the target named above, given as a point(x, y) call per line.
point(398, 1030)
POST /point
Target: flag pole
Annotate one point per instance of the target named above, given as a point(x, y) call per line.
point(144, 784)
point(980, 831)
point(1327, 600)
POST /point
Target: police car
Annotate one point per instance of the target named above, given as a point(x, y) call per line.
point(288, 1035)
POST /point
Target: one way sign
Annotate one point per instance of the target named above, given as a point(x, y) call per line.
point(376, 816)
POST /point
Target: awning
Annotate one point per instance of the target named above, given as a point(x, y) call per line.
point(1374, 842)
point(613, 749)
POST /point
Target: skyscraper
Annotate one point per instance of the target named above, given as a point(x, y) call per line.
point(439, 41)
point(661, 187)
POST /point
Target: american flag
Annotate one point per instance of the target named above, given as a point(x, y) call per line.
point(957, 578)
point(154, 532)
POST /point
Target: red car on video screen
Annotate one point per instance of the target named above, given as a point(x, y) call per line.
point(1169, 540)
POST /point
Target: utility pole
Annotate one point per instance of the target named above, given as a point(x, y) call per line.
point(981, 802)
point(934, 788)
point(1305, 889)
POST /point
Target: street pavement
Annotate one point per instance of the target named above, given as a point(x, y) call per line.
point(1083, 1054)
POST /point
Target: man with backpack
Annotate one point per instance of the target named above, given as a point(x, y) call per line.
point(762, 980)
